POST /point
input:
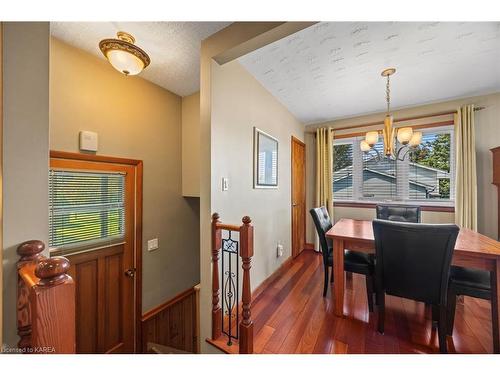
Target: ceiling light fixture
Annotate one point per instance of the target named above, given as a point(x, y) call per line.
point(124, 55)
point(405, 136)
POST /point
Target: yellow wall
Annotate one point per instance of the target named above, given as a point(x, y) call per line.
point(191, 145)
point(134, 119)
point(487, 137)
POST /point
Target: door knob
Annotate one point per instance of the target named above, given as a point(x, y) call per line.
point(294, 204)
point(130, 272)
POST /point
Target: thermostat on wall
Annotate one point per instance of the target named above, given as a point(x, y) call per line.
point(88, 141)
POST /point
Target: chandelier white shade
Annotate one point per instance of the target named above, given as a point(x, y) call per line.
point(124, 55)
point(405, 136)
point(415, 140)
point(371, 138)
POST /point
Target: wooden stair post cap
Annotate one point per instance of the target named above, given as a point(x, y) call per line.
point(215, 216)
point(246, 220)
point(52, 271)
point(30, 249)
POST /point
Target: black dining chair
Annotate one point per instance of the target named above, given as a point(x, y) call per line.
point(404, 213)
point(473, 283)
point(413, 261)
point(354, 261)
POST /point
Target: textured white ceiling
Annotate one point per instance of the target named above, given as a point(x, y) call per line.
point(174, 47)
point(332, 69)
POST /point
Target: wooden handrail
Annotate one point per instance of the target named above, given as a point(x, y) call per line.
point(45, 302)
point(245, 340)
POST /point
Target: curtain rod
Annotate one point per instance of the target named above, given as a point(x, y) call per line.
point(395, 120)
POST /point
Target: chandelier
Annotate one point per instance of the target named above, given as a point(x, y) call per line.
point(124, 55)
point(406, 137)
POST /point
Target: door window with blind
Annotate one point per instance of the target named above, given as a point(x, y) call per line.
point(86, 209)
point(425, 174)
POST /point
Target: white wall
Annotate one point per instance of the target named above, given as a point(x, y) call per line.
point(487, 136)
point(25, 151)
point(239, 103)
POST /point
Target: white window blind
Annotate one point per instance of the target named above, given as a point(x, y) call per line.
point(430, 167)
point(379, 177)
point(85, 208)
point(343, 170)
point(426, 173)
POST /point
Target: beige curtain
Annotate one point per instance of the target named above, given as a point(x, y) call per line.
point(466, 181)
point(324, 173)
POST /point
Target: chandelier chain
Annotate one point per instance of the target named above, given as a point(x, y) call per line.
point(388, 94)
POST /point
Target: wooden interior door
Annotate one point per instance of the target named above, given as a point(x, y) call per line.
point(298, 196)
point(104, 277)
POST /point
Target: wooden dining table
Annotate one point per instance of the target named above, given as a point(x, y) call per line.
point(472, 249)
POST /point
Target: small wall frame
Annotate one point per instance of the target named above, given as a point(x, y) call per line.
point(265, 165)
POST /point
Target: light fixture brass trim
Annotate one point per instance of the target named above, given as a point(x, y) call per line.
point(125, 42)
point(388, 72)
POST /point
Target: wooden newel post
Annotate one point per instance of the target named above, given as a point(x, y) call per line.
point(53, 300)
point(45, 302)
point(246, 253)
point(216, 309)
point(30, 252)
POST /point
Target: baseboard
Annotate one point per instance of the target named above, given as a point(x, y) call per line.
point(309, 246)
point(263, 285)
point(173, 323)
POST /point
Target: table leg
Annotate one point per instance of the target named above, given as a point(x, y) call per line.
point(338, 275)
point(495, 302)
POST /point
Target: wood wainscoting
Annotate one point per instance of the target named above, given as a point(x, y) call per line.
point(174, 323)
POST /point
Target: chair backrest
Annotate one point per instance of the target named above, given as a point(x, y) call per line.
point(413, 260)
point(392, 212)
point(323, 223)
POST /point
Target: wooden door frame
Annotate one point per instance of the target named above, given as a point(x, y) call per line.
point(298, 141)
point(138, 164)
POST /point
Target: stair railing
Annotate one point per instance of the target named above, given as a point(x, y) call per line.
point(45, 302)
point(232, 242)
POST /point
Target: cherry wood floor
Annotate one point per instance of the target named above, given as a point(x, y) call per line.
point(291, 316)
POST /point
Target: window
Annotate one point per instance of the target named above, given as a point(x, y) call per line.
point(426, 173)
point(85, 208)
point(379, 177)
point(342, 171)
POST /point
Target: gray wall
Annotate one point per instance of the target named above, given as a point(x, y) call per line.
point(25, 150)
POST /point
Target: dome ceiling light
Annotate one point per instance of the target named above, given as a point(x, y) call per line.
point(124, 55)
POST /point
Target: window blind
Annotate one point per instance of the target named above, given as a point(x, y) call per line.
point(379, 177)
point(427, 173)
point(431, 169)
point(85, 208)
point(343, 171)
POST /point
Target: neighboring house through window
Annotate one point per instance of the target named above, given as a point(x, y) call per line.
point(425, 174)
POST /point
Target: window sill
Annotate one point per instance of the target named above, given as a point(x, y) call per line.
point(423, 207)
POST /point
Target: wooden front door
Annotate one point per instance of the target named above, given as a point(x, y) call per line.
point(298, 196)
point(104, 275)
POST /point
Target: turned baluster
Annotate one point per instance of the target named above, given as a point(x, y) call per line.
point(30, 253)
point(216, 309)
point(246, 253)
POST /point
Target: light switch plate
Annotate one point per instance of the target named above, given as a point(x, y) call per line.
point(153, 244)
point(225, 184)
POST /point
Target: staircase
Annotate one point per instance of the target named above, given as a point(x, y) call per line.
point(232, 326)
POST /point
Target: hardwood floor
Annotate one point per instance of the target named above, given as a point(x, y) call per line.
point(291, 316)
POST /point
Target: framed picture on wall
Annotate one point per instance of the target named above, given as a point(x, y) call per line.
point(265, 161)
